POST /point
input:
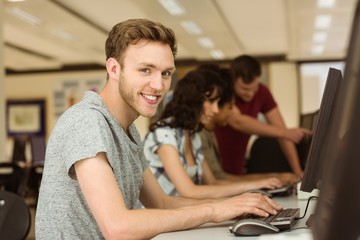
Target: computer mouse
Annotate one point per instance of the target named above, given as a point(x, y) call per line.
point(252, 227)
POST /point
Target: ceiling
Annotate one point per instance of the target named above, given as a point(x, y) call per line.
point(72, 33)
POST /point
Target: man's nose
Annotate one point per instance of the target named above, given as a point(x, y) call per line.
point(157, 82)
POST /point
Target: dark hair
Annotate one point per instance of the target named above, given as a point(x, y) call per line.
point(228, 92)
point(245, 67)
point(186, 106)
point(134, 30)
point(228, 83)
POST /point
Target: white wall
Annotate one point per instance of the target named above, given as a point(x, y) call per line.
point(313, 78)
point(283, 83)
point(59, 90)
point(312, 86)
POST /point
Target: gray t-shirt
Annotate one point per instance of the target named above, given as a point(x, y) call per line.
point(81, 132)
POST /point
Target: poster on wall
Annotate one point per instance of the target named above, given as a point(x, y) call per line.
point(65, 96)
point(70, 91)
point(25, 117)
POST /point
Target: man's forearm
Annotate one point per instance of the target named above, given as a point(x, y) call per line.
point(251, 125)
point(178, 201)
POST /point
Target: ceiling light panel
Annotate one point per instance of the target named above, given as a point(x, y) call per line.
point(217, 54)
point(317, 49)
point(173, 7)
point(322, 21)
point(64, 35)
point(191, 27)
point(320, 37)
point(205, 42)
point(25, 16)
point(326, 3)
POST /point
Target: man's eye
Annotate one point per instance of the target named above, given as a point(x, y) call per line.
point(145, 70)
point(166, 74)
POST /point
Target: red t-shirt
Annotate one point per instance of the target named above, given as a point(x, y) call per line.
point(232, 143)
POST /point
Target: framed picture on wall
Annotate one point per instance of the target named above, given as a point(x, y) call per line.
point(25, 117)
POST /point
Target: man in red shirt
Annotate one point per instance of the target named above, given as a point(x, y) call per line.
point(252, 98)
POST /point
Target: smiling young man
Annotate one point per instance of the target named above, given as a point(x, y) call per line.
point(95, 170)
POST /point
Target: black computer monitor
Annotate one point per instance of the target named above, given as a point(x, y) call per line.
point(315, 159)
point(338, 208)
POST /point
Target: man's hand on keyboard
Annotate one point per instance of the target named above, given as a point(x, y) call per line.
point(247, 203)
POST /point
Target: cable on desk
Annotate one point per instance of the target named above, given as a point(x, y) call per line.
point(306, 208)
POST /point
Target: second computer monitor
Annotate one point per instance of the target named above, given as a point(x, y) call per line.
point(315, 160)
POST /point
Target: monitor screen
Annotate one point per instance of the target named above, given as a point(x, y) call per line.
point(315, 158)
point(338, 207)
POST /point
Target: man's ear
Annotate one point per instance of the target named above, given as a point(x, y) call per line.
point(113, 68)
